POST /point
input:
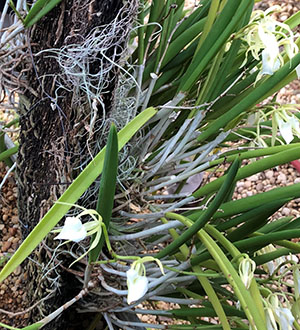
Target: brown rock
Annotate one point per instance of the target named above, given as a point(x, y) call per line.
point(272, 180)
point(15, 219)
point(16, 240)
point(6, 245)
point(12, 231)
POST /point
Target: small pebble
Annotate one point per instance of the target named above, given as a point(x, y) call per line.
point(6, 245)
point(15, 219)
point(259, 186)
point(247, 184)
point(16, 240)
point(281, 178)
point(253, 178)
point(12, 231)
point(285, 211)
point(17, 271)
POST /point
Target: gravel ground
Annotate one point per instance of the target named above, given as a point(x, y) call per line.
point(280, 176)
point(13, 289)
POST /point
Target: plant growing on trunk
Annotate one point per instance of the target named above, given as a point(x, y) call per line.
point(183, 92)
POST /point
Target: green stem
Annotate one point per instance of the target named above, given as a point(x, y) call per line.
point(235, 253)
point(235, 281)
point(212, 296)
point(7, 153)
point(254, 153)
point(141, 32)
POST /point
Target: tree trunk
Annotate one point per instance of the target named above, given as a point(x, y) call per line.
point(62, 124)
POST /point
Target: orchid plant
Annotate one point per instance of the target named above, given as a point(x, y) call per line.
point(195, 79)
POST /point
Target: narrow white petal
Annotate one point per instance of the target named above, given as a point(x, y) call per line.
point(285, 129)
point(270, 63)
point(271, 267)
point(269, 40)
point(295, 125)
point(270, 320)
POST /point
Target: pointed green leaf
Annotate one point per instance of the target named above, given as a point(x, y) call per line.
point(107, 187)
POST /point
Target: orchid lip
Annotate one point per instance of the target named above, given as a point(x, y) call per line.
point(72, 230)
point(137, 285)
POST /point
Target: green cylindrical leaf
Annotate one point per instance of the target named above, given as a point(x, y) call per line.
point(107, 187)
point(261, 213)
point(219, 33)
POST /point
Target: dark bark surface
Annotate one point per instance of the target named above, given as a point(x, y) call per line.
point(47, 130)
point(53, 138)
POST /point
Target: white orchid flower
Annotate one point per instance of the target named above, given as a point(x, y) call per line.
point(277, 312)
point(137, 285)
point(264, 36)
point(73, 230)
point(137, 282)
point(288, 125)
point(286, 130)
point(270, 62)
point(270, 54)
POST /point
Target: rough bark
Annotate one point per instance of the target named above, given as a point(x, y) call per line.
point(54, 135)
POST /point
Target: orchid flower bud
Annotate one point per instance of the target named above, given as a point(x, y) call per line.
point(246, 270)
